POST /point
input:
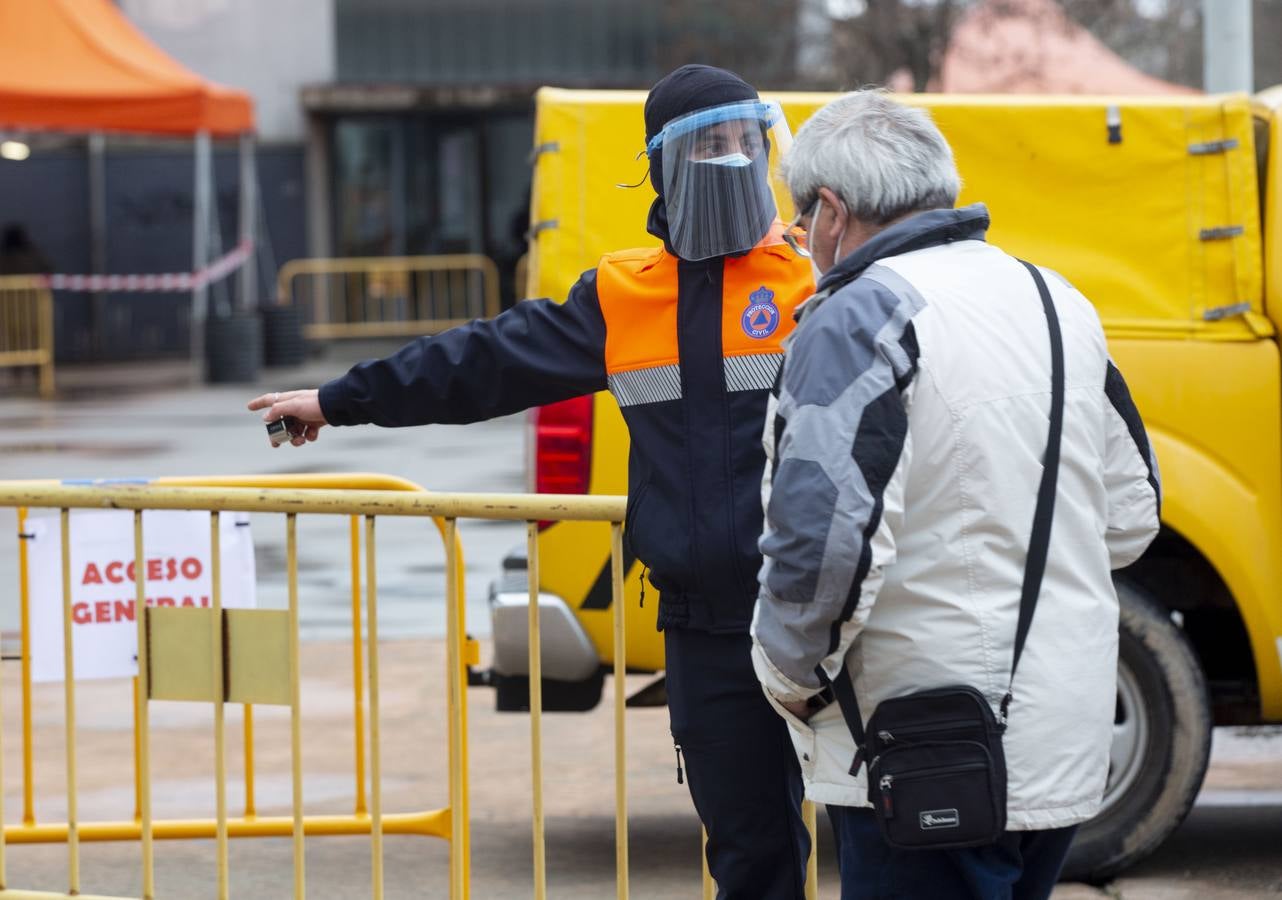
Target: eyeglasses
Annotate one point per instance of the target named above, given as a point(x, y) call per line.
point(793, 236)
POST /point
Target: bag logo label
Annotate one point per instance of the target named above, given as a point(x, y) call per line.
point(932, 819)
point(761, 318)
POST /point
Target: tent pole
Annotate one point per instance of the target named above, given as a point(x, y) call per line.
point(1227, 62)
point(200, 242)
point(248, 221)
point(98, 232)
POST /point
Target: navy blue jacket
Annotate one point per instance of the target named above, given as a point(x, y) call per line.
point(696, 459)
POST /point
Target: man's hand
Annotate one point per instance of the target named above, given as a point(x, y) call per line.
point(302, 405)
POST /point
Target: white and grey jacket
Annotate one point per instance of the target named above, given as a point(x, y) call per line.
point(904, 448)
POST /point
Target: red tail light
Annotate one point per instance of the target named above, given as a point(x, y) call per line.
point(562, 445)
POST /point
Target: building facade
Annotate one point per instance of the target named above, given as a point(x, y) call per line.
point(386, 127)
point(426, 129)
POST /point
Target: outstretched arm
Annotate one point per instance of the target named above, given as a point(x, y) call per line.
point(536, 353)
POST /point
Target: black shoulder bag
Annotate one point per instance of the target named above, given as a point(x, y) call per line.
point(936, 768)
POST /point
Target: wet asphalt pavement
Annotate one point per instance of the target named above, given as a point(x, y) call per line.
point(149, 421)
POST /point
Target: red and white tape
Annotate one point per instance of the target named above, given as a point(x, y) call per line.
point(170, 281)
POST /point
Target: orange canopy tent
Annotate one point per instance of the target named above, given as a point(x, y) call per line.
point(80, 65)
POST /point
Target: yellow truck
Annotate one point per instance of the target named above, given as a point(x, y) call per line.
point(1166, 213)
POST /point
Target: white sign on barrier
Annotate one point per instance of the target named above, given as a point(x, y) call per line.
point(103, 595)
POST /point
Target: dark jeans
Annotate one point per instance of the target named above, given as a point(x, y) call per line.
point(740, 765)
point(1023, 865)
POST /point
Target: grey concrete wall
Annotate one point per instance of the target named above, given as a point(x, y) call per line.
point(270, 48)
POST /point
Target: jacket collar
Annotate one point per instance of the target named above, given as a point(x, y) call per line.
point(917, 232)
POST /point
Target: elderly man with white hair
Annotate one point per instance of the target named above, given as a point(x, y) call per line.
point(954, 468)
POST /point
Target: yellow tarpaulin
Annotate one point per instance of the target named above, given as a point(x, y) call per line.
point(1160, 229)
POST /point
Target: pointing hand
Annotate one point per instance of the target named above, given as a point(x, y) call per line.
point(304, 406)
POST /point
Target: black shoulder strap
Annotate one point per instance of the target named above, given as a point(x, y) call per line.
point(1039, 542)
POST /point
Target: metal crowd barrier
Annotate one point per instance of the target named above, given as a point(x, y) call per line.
point(389, 296)
point(26, 327)
point(252, 656)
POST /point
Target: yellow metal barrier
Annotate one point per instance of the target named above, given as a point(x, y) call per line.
point(440, 823)
point(389, 296)
point(169, 656)
point(26, 327)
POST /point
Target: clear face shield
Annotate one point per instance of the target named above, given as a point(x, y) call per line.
point(719, 167)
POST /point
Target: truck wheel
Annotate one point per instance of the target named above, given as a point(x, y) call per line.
point(1161, 742)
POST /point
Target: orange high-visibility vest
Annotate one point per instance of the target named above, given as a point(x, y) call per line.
point(638, 293)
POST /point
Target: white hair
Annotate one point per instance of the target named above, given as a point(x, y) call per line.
point(884, 159)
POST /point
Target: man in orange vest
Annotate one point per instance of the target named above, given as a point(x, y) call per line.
point(687, 337)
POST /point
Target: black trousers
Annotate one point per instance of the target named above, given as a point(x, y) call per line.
point(1023, 865)
point(740, 766)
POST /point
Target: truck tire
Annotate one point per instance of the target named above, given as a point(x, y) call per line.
point(1161, 743)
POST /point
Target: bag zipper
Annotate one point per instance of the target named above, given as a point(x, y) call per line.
point(680, 776)
point(887, 736)
point(886, 783)
point(877, 759)
point(930, 773)
point(887, 800)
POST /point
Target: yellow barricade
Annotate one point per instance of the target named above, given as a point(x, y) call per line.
point(389, 296)
point(222, 656)
point(26, 327)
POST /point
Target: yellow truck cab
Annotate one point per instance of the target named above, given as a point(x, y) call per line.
point(1165, 212)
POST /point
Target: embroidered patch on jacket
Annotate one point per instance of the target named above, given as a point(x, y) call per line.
point(761, 318)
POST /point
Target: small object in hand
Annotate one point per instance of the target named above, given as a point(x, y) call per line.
point(284, 430)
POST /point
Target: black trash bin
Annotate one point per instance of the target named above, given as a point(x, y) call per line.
point(283, 343)
point(233, 348)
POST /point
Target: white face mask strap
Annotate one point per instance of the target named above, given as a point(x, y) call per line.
point(836, 248)
point(814, 223)
point(841, 237)
point(810, 241)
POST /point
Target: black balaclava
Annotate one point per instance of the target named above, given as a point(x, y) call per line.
point(684, 90)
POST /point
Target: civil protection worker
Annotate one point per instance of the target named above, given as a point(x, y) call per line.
point(687, 337)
